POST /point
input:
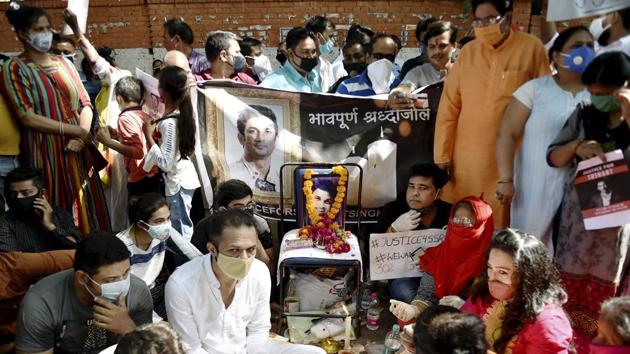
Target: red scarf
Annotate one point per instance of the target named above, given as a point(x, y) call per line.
point(460, 257)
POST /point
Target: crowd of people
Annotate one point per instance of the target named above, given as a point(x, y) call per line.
point(92, 263)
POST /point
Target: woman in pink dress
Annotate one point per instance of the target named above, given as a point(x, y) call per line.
point(519, 298)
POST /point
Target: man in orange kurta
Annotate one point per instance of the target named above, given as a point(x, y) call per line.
point(476, 93)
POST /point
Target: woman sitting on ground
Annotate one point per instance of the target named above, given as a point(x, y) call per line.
point(451, 267)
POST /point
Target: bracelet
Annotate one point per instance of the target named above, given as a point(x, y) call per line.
point(504, 182)
point(61, 129)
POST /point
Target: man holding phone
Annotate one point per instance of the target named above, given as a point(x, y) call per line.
point(32, 224)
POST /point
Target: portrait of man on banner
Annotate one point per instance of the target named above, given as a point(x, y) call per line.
point(259, 148)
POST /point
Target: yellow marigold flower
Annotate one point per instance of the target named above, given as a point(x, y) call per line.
point(308, 174)
point(341, 189)
point(308, 184)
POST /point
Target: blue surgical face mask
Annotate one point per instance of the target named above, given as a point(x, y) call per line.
point(239, 62)
point(577, 59)
point(326, 47)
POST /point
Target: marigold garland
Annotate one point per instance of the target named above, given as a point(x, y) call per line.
point(323, 230)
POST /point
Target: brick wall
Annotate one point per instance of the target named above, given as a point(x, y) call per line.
point(138, 23)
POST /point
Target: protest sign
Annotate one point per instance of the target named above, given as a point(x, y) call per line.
point(153, 104)
point(603, 191)
point(304, 127)
point(80, 9)
point(395, 255)
point(562, 10)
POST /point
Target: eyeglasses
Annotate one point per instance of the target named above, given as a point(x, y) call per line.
point(379, 56)
point(463, 221)
point(487, 21)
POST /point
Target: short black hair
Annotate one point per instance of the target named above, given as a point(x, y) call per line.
point(502, 6)
point(348, 45)
point(317, 24)
point(247, 45)
point(152, 338)
point(100, 248)
point(22, 174)
point(218, 41)
point(211, 228)
point(359, 34)
point(64, 39)
point(255, 110)
point(22, 17)
point(108, 54)
point(380, 36)
point(438, 28)
point(130, 89)
point(608, 69)
point(438, 175)
point(143, 207)
point(297, 35)
point(176, 27)
point(420, 332)
point(422, 26)
point(452, 332)
point(230, 190)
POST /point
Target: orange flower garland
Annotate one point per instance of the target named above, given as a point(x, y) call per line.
point(324, 230)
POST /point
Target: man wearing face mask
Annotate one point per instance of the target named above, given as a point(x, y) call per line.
point(88, 308)
point(298, 73)
point(235, 288)
point(179, 36)
point(379, 77)
point(354, 62)
point(616, 34)
point(65, 47)
point(258, 65)
point(420, 207)
point(324, 31)
point(236, 194)
point(226, 60)
point(476, 94)
point(32, 224)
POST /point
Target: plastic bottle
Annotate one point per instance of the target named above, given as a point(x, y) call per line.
point(291, 300)
point(366, 299)
point(374, 313)
point(392, 340)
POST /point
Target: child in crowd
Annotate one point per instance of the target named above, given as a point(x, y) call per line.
point(130, 140)
point(175, 144)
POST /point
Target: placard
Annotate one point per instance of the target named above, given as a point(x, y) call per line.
point(603, 191)
point(80, 9)
point(562, 10)
point(153, 104)
point(395, 255)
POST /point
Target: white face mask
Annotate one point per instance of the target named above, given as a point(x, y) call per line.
point(381, 74)
point(159, 232)
point(597, 27)
point(41, 41)
point(262, 66)
point(111, 291)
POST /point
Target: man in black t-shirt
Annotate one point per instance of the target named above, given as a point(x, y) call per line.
point(418, 208)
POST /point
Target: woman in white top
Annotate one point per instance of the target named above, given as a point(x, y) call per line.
point(175, 144)
point(147, 238)
point(538, 111)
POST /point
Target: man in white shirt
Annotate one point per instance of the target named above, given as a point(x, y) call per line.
point(257, 133)
point(219, 303)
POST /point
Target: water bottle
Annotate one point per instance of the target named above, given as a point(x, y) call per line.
point(373, 313)
point(392, 340)
point(291, 300)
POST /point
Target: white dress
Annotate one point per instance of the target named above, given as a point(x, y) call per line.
point(539, 188)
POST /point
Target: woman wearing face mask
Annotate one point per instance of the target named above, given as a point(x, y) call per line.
point(46, 95)
point(519, 298)
point(147, 238)
point(593, 261)
point(451, 267)
point(538, 112)
point(174, 146)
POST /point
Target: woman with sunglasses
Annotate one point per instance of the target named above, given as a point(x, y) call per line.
point(451, 267)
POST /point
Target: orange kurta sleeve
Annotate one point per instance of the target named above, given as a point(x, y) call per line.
point(448, 115)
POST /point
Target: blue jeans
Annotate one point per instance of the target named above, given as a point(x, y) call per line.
point(404, 289)
point(8, 163)
point(181, 203)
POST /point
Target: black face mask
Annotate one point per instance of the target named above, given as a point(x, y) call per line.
point(356, 67)
point(307, 64)
point(22, 207)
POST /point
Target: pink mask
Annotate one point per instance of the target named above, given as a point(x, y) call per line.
point(501, 291)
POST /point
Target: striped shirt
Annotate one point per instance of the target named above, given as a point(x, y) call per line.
point(360, 85)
